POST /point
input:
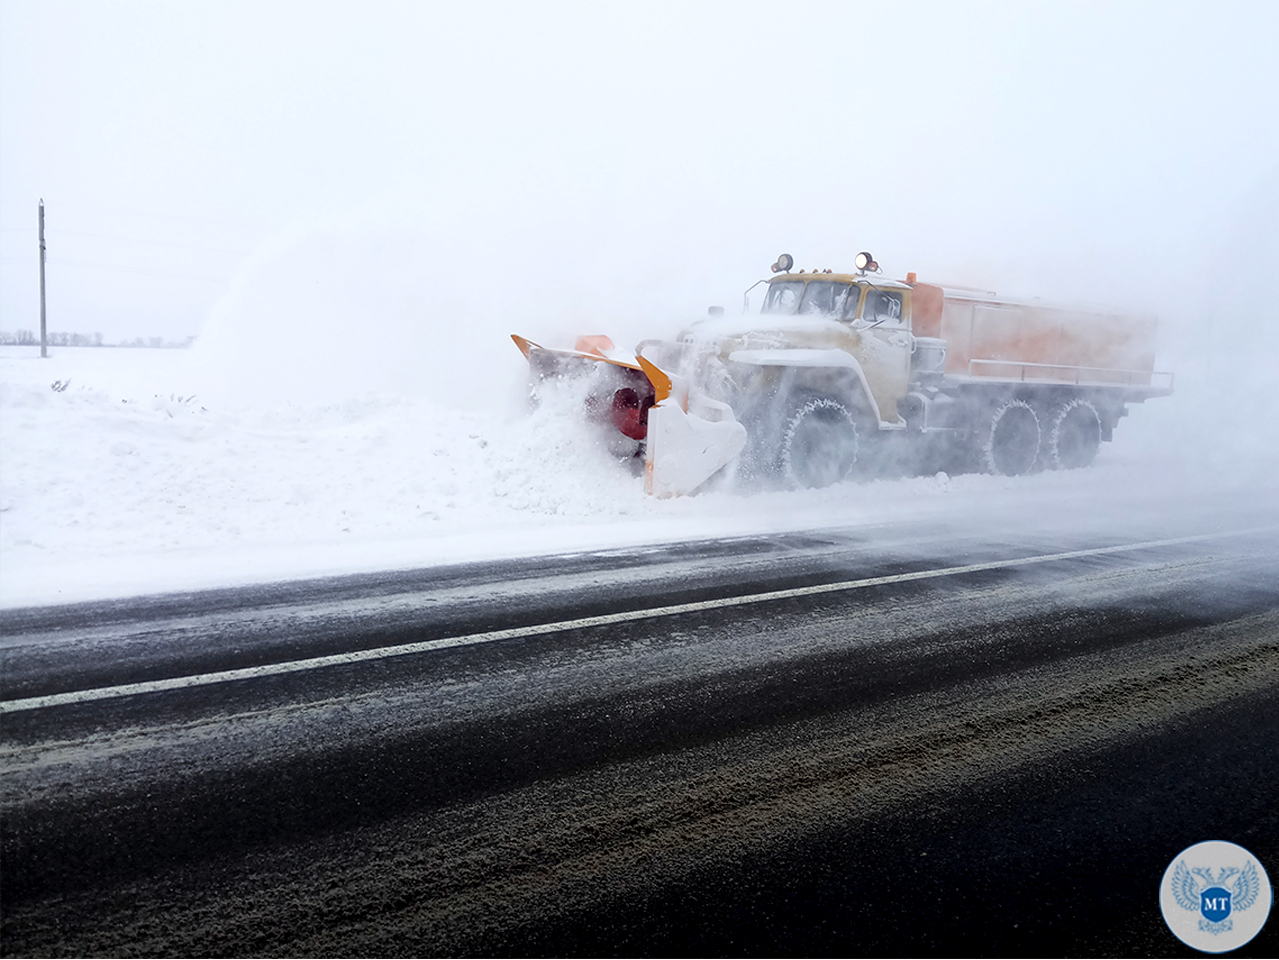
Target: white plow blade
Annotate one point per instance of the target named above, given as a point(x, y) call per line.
point(685, 449)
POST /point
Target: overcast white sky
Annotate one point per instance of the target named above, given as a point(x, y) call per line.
point(613, 159)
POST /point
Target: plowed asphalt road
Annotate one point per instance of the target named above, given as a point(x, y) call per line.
point(895, 741)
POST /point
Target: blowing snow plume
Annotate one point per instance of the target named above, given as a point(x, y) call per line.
point(418, 297)
point(348, 311)
point(1219, 331)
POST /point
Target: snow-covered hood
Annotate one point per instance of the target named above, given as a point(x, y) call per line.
point(726, 336)
point(759, 325)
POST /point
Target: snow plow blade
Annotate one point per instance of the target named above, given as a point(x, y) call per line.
point(590, 348)
point(690, 437)
point(686, 437)
point(686, 450)
point(620, 394)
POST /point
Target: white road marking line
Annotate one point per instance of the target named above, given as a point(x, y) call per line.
point(489, 636)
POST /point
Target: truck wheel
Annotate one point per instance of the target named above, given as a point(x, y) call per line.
point(1074, 435)
point(819, 446)
point(1010, 440)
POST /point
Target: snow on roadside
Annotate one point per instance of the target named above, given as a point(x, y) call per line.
point(124, 479)
point(99, 470)
point(125, 482)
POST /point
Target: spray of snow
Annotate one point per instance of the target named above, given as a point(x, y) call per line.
point(125, 483)
point(354, 402)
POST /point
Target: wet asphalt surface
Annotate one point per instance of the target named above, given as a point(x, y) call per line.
point(992, 761)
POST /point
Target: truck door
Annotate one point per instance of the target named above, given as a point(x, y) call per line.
point(886, 348)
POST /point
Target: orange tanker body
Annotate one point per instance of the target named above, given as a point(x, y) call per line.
point(990, 336)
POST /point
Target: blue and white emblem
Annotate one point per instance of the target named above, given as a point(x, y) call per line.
point(1215, 896)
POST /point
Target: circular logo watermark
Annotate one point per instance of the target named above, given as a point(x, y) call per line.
point(1215, 896)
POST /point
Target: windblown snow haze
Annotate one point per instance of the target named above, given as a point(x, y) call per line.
point(351, 208)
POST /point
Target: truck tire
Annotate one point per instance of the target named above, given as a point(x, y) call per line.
point(1009, 441)
point(1074, 435)
point(819, 444)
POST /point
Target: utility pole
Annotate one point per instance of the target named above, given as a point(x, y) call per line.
point(44, 336)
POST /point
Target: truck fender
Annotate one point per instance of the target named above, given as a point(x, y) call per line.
point(815, 359)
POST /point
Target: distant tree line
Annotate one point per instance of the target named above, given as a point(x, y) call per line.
point(28, 338)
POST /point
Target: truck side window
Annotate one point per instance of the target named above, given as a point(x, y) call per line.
point(882, 306)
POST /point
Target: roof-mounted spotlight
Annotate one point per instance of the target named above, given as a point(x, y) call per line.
point(865, 262)
point(784, 263)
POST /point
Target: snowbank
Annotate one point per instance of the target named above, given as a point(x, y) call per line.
point(127, 481)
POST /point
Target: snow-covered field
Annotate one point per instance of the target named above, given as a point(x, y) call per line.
point(131, 480)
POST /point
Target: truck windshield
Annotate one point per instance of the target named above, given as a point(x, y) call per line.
point(783, 296)
point(826, 297)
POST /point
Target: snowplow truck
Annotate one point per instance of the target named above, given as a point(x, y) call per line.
point(845, 374)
